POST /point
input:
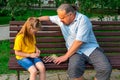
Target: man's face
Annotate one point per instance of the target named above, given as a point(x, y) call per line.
point(65, 18)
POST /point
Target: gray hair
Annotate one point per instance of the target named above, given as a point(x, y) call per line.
point(67, 7)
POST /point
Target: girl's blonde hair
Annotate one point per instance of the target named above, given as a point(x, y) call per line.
point(31, 23)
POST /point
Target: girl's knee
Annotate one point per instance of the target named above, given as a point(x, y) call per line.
point(32, 70)
point(41, 67)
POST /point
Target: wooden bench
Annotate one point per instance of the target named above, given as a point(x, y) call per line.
point(50, 41)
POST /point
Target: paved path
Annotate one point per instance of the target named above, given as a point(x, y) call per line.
point(59, 75)
point(4, 32)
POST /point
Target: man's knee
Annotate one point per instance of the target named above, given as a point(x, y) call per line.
point(76, 66)
point(105, 69)
point(104, 73)
point(75, 71)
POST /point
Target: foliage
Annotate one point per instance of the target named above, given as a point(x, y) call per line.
point(29, 13)
point(3, 3)
point(59, 2)
point(17, 7)
point(4, 20)
point(103, 7)
point(87, 5)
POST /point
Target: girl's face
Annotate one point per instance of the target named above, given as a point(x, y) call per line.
point(33, 31)
point(33, 26)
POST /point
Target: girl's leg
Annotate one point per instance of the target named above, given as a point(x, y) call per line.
point(27, 63)
point(40, 66)
point(33, 72)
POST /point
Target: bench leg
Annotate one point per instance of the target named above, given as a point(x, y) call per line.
point(18, 75)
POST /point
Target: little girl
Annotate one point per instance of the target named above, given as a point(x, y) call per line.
point(26, 51)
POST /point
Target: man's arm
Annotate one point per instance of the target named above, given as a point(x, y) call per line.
point(44, 18)
point(75, 46)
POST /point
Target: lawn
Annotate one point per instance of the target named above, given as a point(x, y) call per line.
point(4, 56)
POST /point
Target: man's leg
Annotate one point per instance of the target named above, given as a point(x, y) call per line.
point(101, 64)
point(76, 66)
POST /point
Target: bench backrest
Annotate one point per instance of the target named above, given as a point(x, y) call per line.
point(50, 39)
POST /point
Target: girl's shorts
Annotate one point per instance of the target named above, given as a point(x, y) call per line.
point(28, 62)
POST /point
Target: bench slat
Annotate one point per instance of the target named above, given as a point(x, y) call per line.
point(13, 64)
point(105, 22)
point(106, 28)
point(45, 28)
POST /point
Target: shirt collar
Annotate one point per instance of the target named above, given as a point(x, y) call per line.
point(76, 17)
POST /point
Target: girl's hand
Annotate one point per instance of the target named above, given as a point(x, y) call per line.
point(38, 52)
point(50, 58)
point(33, 55)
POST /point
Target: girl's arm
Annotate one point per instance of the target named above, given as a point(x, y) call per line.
point(38, 52)
point(19, 53)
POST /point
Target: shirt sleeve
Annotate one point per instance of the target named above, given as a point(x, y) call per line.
point(54, 19)
point(84, 29)
point(18, 43)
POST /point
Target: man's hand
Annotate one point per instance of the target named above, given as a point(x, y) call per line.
point(60, 59)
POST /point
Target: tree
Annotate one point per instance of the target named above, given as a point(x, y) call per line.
point(19, 7)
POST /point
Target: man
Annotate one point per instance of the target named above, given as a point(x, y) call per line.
point(81, 44)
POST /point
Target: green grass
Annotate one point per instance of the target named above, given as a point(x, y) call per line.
point(4, 57)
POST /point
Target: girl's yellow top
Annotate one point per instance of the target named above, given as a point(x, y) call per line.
point(19, 45)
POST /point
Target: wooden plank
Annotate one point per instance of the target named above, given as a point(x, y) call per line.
point(109, 39)
point(44, 28)
point(106, 28)
point(14, 66)
point(109, 34)
point(108, 44)
point(50, 39)
point(45, 40)
point(51, 45)
point(49, 51)
point(111, 50)
point(105, 22)
point(47, 34)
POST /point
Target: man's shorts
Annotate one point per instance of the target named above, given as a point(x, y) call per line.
point(77, 65)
